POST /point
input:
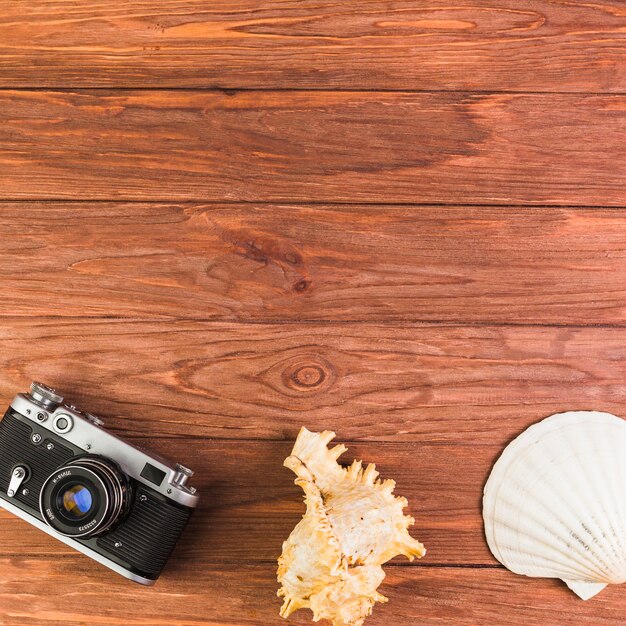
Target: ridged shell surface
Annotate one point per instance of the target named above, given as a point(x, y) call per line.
point(554, 505)
point(332, 561)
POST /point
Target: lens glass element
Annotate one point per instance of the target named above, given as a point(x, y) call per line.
point(86, 497)
point(76, 500)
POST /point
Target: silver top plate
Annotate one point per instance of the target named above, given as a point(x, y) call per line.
point(88, 436)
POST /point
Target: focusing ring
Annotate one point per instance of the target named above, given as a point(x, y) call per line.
point(108, 486)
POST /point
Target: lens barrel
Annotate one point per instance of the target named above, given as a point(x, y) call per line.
point(86, 497)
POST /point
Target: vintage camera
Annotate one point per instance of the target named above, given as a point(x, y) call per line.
point(64, 474)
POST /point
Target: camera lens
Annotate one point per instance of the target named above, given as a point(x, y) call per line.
point(86, 497)
point(76, 501)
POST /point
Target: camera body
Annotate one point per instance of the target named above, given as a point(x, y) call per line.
point(63, 473)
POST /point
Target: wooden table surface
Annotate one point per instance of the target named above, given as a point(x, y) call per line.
point(401, 221)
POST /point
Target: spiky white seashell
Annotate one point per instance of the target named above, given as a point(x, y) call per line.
point(554, 505)
point(331, 562)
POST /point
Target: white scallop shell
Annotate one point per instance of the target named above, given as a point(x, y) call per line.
point(554, 505)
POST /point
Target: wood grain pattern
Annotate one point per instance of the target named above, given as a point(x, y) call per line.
point(297, 263)
point(397, 220)
point(314, 146)
point(540, 45)
point(244, 595)
point(421, 383)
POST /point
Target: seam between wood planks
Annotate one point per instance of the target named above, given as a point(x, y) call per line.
point(304, 204)
point(234, 90)
point(405, 323)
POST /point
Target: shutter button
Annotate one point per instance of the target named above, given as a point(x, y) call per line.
point(62, 423)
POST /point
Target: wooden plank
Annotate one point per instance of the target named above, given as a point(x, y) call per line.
point(408, 382)
point(244, 595)
point(492, 45)
point(314, 146)
point(250, 504)
point(216, 262)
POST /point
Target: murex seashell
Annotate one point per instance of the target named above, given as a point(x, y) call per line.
point(555, 503)
point(331, 562)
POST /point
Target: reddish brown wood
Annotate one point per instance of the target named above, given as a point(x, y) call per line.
point(421, 383)
point(244, 595)
point(314, 146)
point(365, 257)
point(540, 45)
point(453, 264)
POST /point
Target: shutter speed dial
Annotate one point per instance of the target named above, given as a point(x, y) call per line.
point(45, 396)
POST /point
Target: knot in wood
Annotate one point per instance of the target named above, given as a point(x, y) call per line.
point(308, 376)
point(311, 373)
